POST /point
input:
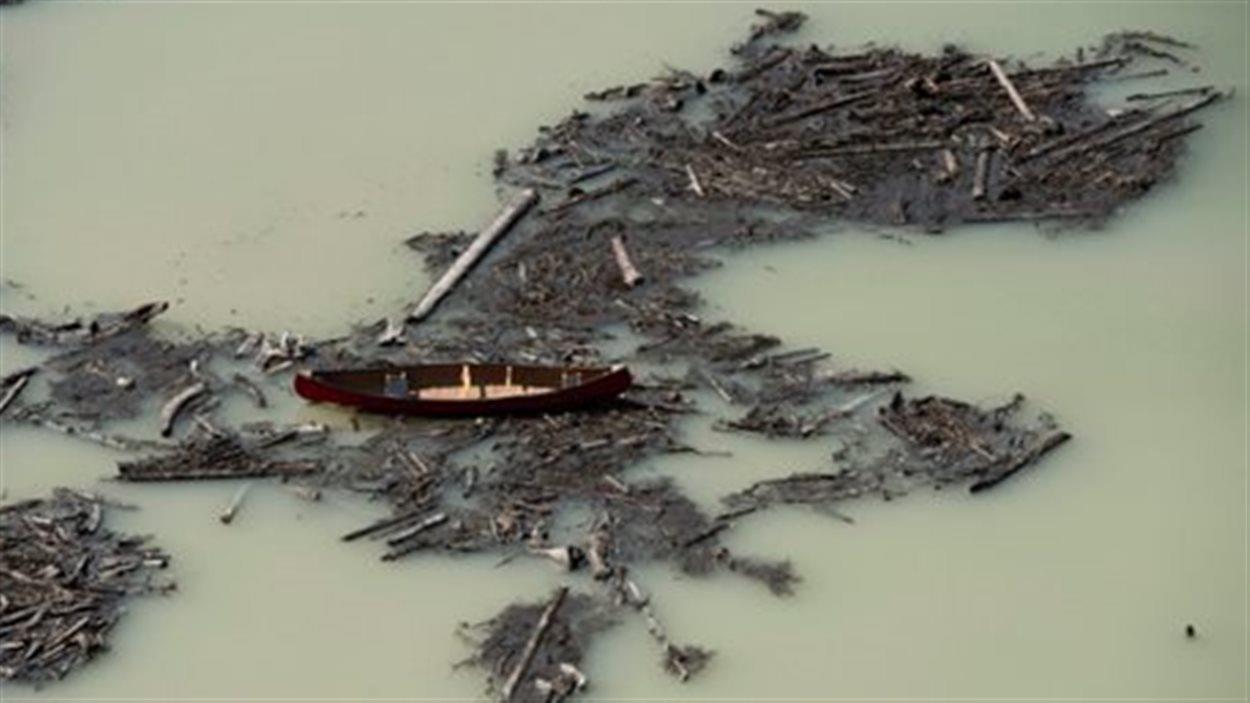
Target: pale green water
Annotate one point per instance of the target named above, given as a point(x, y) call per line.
point(209, 152)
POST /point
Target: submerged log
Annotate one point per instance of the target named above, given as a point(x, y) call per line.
point(37, 417)
point(227, 516)
point(517, 207)
point(251, 389)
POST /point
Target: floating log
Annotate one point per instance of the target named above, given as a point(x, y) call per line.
point(681, 661)
point(695, 185)
point(950, 166)
point(512, 212)
point(227, 516)
point(217, 457)
point(862, 149)
point(866, 378)
point(629, 274)
point(715, 384)
point(169, 413)
point(1133, 130)
point(428, 523)
point(100, 327)
point(1201, 90)
point(1012, 93)
point(308, 493)
point(13, 384)
point(822, 106)
point(586, 196)
point(386, 524)
point(981, 176)
point(1021, 462)
point(709, 533)
point(113, 441)
point(569, 557)
point(531, 646)
point(392, 334)
point(596, 555)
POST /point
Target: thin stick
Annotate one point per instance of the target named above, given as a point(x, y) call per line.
point(500, 226)
point(1012, 93)
point(716, 385)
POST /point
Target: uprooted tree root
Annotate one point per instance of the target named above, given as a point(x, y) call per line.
point(635, 199)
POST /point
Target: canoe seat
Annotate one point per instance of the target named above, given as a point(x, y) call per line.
point(474, 392)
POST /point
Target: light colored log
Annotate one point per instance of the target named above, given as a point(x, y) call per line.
point(1012, 93)
point(981, 176)
point(629, 273)
point(695, 185)
point(169, 413)
point(500, 226)
point(393, 334)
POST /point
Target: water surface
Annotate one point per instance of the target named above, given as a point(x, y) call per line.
point(259, 165)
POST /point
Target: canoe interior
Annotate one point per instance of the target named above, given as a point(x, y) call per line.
point(466, 382)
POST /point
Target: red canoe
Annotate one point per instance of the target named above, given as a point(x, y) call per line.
point(464, 389)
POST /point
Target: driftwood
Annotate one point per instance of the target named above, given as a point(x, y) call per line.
point(13, 384)
point(171, 409)
point(64, 582)
point(680, 661)
point(227, 515)
point(387, 524)
point(531, 646)
point(629, 274)
point(38, 417)
point(1012, 93)
point(1026, 459)
point(250, 387)
point(867, 378)
point(392, 333)
point(594, 194)
point(216, 457)
point(78, 331)
point(517, 207)
point(1133, 130)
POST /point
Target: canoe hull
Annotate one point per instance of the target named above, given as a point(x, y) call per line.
point(320, 387)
